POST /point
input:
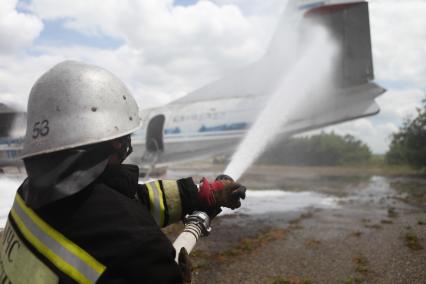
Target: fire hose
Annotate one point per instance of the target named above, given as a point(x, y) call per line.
point(197, 225)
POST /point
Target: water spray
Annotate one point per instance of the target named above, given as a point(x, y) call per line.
point(290, 99)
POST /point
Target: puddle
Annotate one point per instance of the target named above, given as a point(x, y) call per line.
point(274, 201)
point(314, 194)
point(376, 191)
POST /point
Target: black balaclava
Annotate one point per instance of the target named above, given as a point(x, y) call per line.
point(57, 175)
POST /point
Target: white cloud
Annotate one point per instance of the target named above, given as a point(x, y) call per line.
point(17, 30)
point(92, 17)
point(376, 131)
point(17, 74)
point(398, 30)
point(164, 32)
point(399, 104)
point(167, 50)
point(257, 7)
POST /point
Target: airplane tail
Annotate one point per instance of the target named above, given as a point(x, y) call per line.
point(349, 24)
point(346, 21)
point(353, 90)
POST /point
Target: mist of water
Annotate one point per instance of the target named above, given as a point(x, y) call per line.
point(279, 201)
point(298, 94)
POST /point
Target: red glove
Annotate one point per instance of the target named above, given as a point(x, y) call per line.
point(220, 193)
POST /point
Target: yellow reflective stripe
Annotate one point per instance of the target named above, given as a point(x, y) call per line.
point(59, 238)
point(151, 198)
point(173, 201)
point(18, 264)
point(69, 245)
point(156, 202)
point(161, 200)
point(58, 261)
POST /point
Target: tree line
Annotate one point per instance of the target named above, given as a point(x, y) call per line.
point(408, 145)
point(324, 149)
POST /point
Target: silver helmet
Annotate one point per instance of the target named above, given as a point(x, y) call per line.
point(75, 104)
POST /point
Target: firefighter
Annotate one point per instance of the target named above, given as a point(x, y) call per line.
point(81, 216)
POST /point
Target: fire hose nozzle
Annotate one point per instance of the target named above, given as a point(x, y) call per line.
point(197, 225)
point(201, 220)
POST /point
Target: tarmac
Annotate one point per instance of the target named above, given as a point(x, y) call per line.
point(333, 226)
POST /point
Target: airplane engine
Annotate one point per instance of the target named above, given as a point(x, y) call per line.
point(12, 130)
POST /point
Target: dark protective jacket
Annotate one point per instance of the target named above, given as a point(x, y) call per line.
point(117, 222)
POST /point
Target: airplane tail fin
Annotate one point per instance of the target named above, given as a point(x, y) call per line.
point(349, 24)
point(347, 21)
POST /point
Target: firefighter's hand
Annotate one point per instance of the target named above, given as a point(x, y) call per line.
point(223, 192)
point(185, 266)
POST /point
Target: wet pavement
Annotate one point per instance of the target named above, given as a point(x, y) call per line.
point(316, 226)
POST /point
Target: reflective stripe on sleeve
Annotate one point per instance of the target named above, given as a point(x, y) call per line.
point(64, 254)
point(156, 202)
point(173, 201)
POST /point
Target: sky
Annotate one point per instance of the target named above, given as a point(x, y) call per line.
point(163, 49)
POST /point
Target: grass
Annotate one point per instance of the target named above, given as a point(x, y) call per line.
point(246, 245)
point(421, 222)
point(378, 162)
point(392, 213)
point(306, 215)
point(356, 234)
point(411, 190)
point(361, 264)
point(376, 165)
point(295, 223)
point(289, 280)
point(412, 241)
point(353, 280)
point(374, 226)
point(312, 243)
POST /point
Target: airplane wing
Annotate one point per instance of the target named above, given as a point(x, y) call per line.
point(214, 118)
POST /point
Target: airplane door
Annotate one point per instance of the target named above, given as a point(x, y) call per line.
point(154, 134)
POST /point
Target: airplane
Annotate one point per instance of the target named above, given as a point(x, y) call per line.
point(213, 119)
point(12, 131)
